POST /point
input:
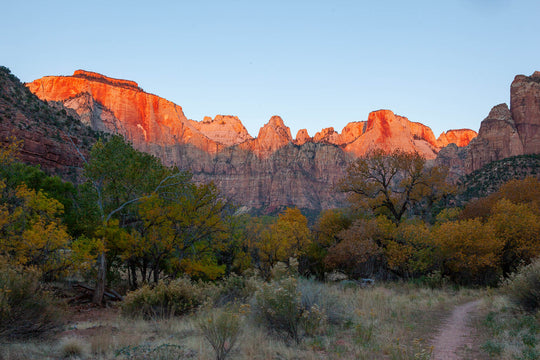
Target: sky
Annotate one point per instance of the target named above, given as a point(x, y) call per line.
point(316, 64)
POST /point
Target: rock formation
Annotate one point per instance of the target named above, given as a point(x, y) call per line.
point(497, 139)
point(142, 118)
point(503, 133)
point(224, 129)
point(460, 137)
point(269, 171)
point(525, 108)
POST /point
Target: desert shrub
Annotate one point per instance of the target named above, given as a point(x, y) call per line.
point(164, 299)
point(235, 289)
point(523, 287)
point(278, 306)
point(319, 296)
point(221, 329)
point(25, 308)
point(72, 347)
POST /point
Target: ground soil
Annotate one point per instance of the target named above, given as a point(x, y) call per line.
point(457, 338)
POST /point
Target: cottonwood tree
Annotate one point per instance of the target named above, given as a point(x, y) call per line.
point(119, 176)
point(182, 229)
point(32, 232)
point(392, 183)
point(286, 237)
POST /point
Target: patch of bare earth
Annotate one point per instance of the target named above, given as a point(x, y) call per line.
point(457, 338)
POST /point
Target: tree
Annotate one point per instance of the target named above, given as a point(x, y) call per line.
point(31, 228)
point(359, 253)
point(411, 251)
point(326, 234)
point(469, 250)
point(182, 230)
point(517, 226)
point(526, 191)
point(273, 240)
point(390, 184)
point(118, 177)
point(32, 232)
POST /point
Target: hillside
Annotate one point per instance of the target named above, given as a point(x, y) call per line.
point(48, 131)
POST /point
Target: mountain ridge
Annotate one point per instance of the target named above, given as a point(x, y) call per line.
point(204, 136)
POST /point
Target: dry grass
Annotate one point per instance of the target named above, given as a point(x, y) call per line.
point(386, 322)
point(511, 333)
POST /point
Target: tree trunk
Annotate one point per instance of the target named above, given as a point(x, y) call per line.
point(133, 275)
point(100, 280)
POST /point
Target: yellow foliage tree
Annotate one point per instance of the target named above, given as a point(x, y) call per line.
point(32, 232)
point(469, 250)
point(288, 237)
point(411, 251)
point(517, 226)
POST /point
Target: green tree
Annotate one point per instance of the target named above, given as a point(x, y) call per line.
point(182, 231)
point(118, 177)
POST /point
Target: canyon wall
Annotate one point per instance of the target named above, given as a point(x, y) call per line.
point(265, 172)
point(505, 132)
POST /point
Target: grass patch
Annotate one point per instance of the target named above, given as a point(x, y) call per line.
point(387, 321)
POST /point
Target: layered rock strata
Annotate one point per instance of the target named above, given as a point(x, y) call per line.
point(504, 133)
point(268, 171)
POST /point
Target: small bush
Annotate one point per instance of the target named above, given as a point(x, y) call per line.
point(164, 299)
point(279, 307)
point(235, 289)
point(25, 308)
point(72, 347)
point(313, 293)
point(523, 287)
point(222, 329)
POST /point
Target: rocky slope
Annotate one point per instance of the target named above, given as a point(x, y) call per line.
point(266, 172)
point(48, 133)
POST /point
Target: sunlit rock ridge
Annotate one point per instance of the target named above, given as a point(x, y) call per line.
point(266, 172)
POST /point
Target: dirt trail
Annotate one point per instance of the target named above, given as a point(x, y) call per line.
point(456, 333)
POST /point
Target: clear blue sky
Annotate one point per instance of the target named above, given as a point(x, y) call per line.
point(314, 63)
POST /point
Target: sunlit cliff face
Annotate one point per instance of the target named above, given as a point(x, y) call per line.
point(121, 106)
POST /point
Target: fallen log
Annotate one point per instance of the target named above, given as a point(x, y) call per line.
point(113, 295)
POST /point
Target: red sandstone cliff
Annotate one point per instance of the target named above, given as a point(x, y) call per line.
point(503, 133)
point(121, 106)
point(269, 171)
point(135, 114)
point(525, 109)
